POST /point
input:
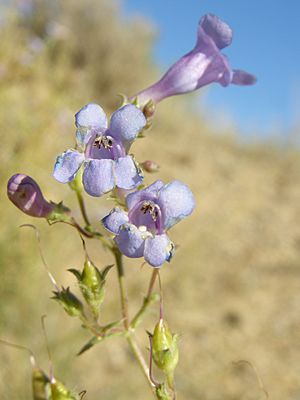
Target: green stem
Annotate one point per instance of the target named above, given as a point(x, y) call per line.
point(122, 288)
point(148, 300)
point(82, 207)
point(124, 306)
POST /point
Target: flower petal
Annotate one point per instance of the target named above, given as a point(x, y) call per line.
point(126, 123)
point(176, 201)
point(158, 250)
point(130, 241)
point(149, 193)
point(242, 78)
point(128, 174)
point(91, 116)
point(67, 165)
point(115, 219)
point(212, 26)
point(98, 177)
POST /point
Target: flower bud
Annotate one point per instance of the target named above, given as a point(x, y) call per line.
point(60, 392)
point(40, 384)
point(149, 166)
point(165, 349)
point(149, 109)
point(71, 304)
point(26, 194)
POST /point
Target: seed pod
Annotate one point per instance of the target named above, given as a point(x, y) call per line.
point(60, 392)
point(92, 286)
point(71, 304)
point(165, 349)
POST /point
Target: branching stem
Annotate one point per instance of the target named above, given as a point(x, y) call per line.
point(124, 307)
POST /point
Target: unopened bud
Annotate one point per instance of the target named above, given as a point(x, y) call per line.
point(149, 109)
point(71, 304)
point(60, 392)
point(149, 166)
point(40, 384)
point(26, 194)
point(165, 349)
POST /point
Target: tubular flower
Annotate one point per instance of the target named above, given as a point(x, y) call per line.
point(201, 66)
point(103, 150)
point(26, 194)
point(151, 212)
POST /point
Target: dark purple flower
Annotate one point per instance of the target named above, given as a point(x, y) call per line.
point(26, 194)
point(203, 65)
point(102, 150)
point(151, 212)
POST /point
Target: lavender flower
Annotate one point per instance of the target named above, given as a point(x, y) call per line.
point(201, 66)
point(26, 194)
point(103, 150)
point(151, 212)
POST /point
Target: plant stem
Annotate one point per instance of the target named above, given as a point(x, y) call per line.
point(124, 306)
point(148, 300)
point(123, 294)
point(82, 207)
point(152, 282)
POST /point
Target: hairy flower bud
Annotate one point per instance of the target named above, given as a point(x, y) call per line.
point(149, 109)
point(165, 349)
point(26, 194)
point(149, 166)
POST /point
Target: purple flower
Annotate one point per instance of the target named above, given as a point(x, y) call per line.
point(26, 194)
point(203, 65)
point(102, 150)
point(151, 212)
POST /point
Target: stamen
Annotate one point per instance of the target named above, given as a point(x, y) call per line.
point(103, 141)
point(151, 208)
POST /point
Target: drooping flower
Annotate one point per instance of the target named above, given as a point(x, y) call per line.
point(203, 65)
point(151, 212)
point(103, 150)
point(26, 194)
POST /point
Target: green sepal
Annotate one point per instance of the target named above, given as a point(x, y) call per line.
point(76, 183)
point(162, 392)
point(71, 304)
point(40, 385)
point(61, 213)
point(124, 99)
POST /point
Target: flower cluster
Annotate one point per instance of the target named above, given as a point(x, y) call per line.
point(101, 153)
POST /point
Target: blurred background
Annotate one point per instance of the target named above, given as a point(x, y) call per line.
point(233, 289)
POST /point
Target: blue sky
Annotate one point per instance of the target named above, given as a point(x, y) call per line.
point(266, 43)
